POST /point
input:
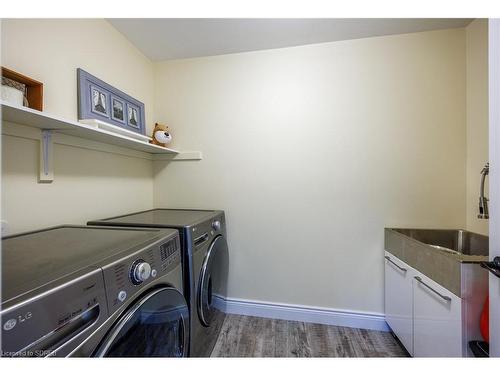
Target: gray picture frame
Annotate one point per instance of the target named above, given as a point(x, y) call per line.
point(101, 106)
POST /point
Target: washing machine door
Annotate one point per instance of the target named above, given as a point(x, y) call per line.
point(157, 325)
point(212, 279)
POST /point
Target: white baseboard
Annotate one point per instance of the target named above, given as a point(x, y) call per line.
point(344, 318)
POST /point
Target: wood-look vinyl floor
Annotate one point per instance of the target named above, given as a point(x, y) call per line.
point(248, 336)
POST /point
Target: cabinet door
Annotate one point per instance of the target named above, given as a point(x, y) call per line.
point(437, 324)
point(398, 299)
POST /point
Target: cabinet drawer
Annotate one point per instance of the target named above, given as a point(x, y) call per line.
point(437, 320)
point(398, 299)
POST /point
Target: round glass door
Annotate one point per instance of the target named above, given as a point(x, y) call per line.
point(156, 326)
point(212, 279)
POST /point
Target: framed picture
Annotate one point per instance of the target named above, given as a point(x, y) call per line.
point(117, 109)
point(101, 101)
point(132, 116)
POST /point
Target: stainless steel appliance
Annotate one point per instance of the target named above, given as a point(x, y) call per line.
point(205, 260)
point(93, 291)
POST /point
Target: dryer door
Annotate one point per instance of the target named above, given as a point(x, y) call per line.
point(157, 325)
point(213, 279)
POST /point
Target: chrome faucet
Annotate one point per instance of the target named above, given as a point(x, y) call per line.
point(483, 201)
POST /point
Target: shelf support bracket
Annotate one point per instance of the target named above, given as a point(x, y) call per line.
point(46, 157)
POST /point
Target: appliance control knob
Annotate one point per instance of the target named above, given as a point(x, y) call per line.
point(216, 225)
point(141, 271)
point(122, 296)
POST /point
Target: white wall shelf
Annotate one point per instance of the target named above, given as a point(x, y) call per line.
point(49, 124)
point(42, 120)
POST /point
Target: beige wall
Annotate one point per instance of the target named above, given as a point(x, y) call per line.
point(88, 184)
point(51, 50)
point(477, 117)
point(312, 150)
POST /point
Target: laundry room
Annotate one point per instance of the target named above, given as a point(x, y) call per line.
point(250, 186)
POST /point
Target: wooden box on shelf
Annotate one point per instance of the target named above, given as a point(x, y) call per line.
point(34, 89)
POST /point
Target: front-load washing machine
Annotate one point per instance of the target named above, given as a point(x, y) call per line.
point(205, 261)
point(93, 291)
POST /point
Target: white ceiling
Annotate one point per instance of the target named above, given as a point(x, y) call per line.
point(165, 39)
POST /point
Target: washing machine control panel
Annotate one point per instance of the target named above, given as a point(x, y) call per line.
point(216, 225)
point(129, 276)
point(140, 271)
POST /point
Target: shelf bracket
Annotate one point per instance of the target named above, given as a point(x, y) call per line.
point(46, 157)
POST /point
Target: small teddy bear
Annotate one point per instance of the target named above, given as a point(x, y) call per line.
point(161, 136)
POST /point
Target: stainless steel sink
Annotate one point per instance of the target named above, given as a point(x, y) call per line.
point(449, 257)
point(450, 240)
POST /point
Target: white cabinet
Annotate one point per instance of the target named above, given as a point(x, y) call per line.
point(426, 317)
point(399, 299)
point(437, 320)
